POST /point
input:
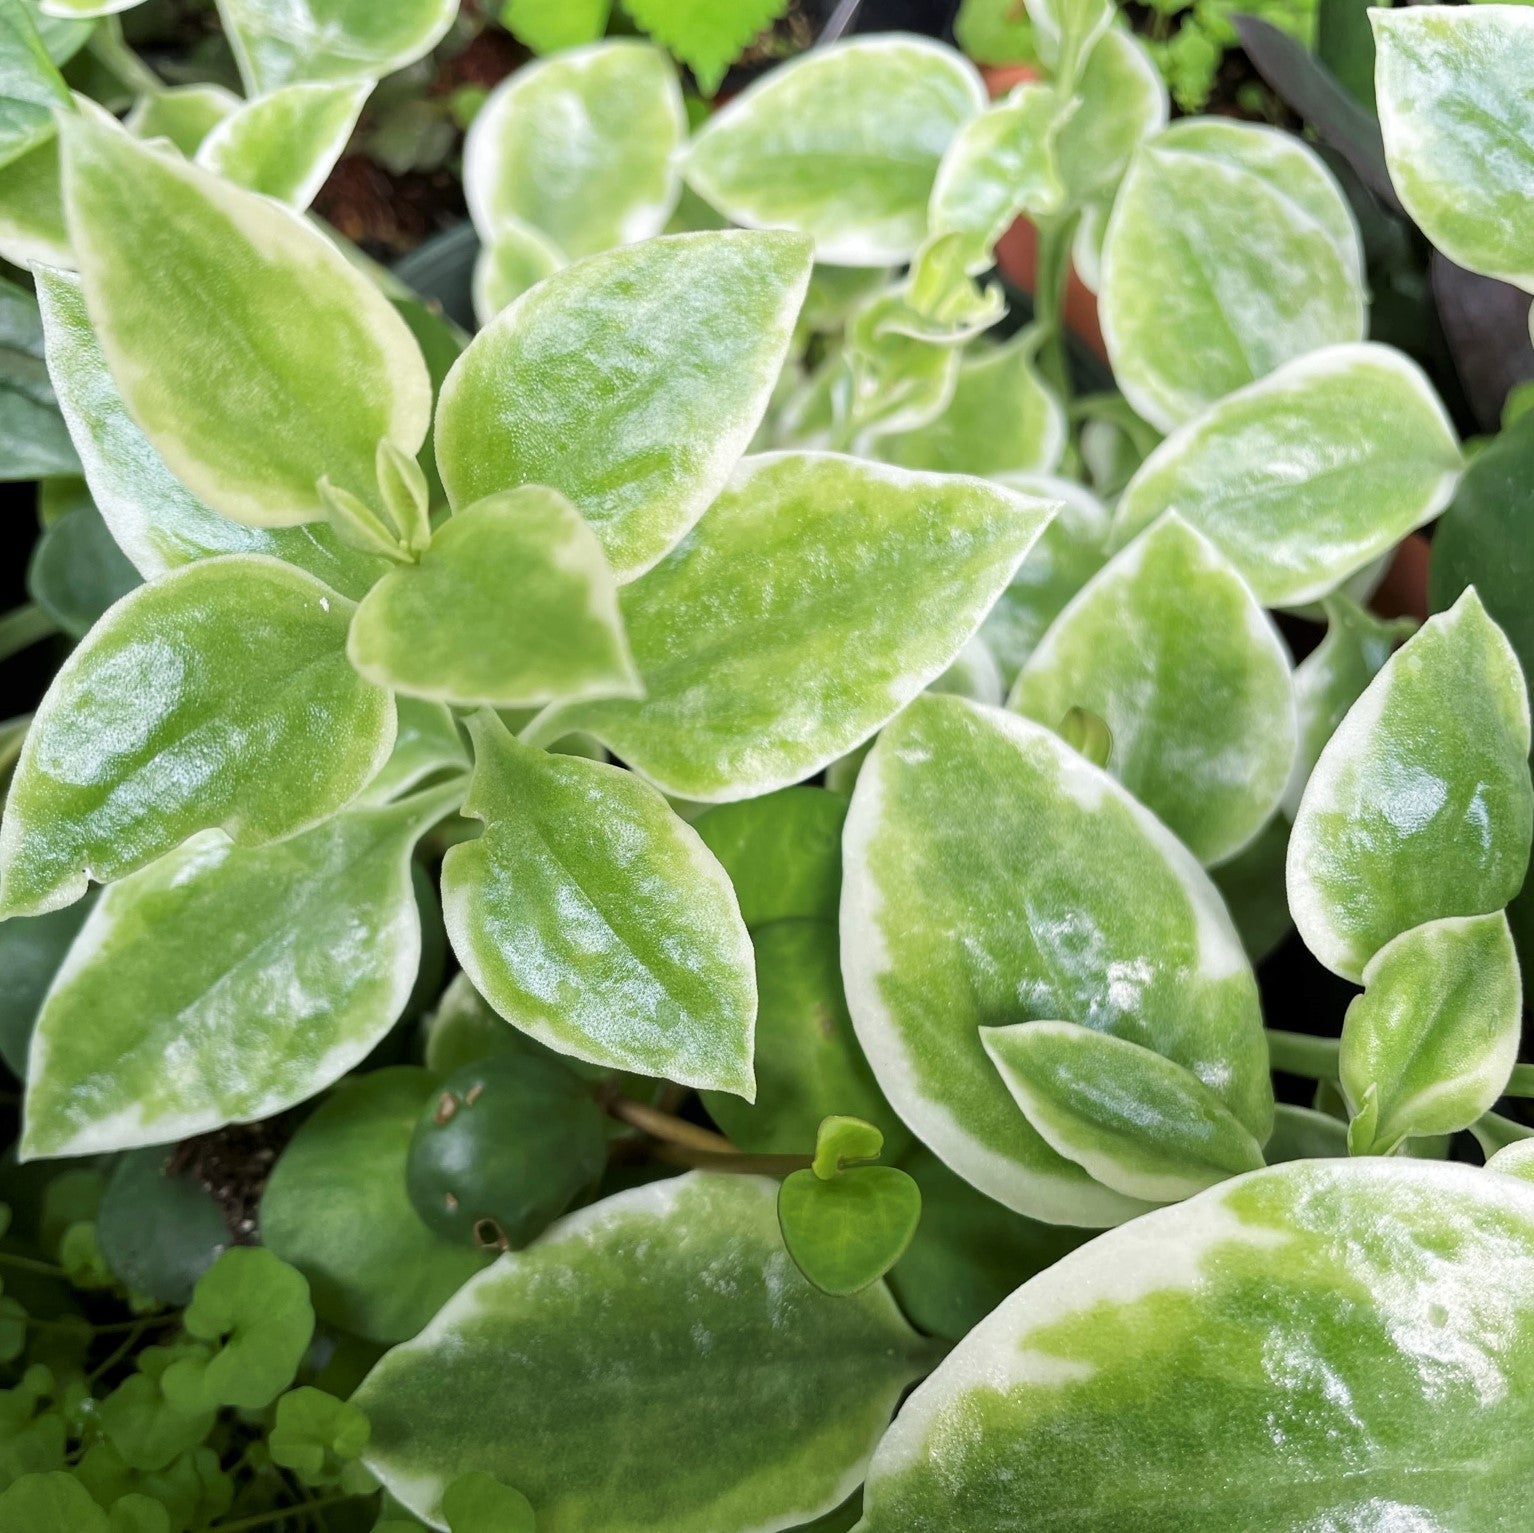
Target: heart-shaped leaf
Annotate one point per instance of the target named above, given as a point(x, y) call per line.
point(220, 695)
point(846, 1233)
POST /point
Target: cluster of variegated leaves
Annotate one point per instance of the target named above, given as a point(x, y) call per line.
point(1040, 969)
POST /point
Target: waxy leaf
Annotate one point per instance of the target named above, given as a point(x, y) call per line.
point(583, 148)
point(1420, 805)
point(155, 519)
point(1459, 129)
point(1308, 475)
point(1330, 1344)
point(427, 741)
point(1198, 291)
point(222, 984)
point(842, 144)
point(34, 443)
point(1137, 1121)
point(630, 382)
point(1168, 646)
point(958, 914)
point(511, 606)
point(284, 144)
point(31, 950)
point(817, 596)
point(846, 1233)
point(590, 916)
point(77, 571)
point(185, 114)
point(279, 41)
point(670, 1319)
point(1120, 100)
point(31, 88)
point(516, 259)
point(219, 696)
point(1429, 1045)
point(256, 358)
point(32, 230)
point(335, 1207)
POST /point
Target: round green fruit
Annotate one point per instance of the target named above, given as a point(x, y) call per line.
point(503, 1148)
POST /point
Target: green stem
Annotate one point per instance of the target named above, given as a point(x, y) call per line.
point(1493, 1132)
point(281, 1514)
point(1521, 1082)
point(667, 1127)
point(120, 1351)
point(1051, 272)
point(31, 1264)
point(1300, 1054)
point(23, 627)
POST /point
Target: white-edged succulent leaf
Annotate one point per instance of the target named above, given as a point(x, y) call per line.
point(1329, 1344)
point(511, 606)
point(1120, 101)
point(958, 913)
point(590, 916)
point(86, 8)
point(278, 42)
point(223, 984)
point(219, 696)
point(157, 522)
point(631, 382)
point(184, 114)
point(254, 355)
point(427, 743)
point(1429, 1045)
point(1198, 292)
point(818, 595)
point(1308, 475)
point(1516, 1159)
point(842, 144)
point(1066, 31)
point(1458, 124)
point(1169, 647)
point(1136, 1120)
point(670, 1315)
point(32, 228)
point(31, 88)
point(285, 143)
point(517, 258)
point(1420, 805)
point(584, 147)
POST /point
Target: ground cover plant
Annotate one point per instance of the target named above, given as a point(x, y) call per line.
point(789, 889)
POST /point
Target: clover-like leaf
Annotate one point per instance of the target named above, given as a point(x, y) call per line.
point(582, 147)
point(51, 1501)
point(673, 1316)
point(1430, 1043)
point(221, 984)
point(631, 382)
point(1197, 293)
point(846, 1233)
point(1287, 1348)
point(590, 916)
point(277, 42)
point(817, 596)
point(31, 88)
point(1169, 647)
point(1420, 805)
point(1139, 1122)
point(512, 605)
point(284, 144)
point(1459, 130)
point(218, 696)
point(842, 144)
point(1306, 476)
point(315, 1434)
point(256, 358)
point(958, 914)
point(148, 1431)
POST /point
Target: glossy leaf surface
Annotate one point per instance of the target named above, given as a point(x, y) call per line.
point(31, 89)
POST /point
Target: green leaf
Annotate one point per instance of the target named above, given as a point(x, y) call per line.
point(335, 1207)
point(1168, 646)
point(1302, 1133)
point(1120, 101)
point(515, 260)
point(257, 1309)
point(31, 950)
point(593, 918)
point(582, 148)
point(315, 1434)
point(512, 605)
point(32, 229)
point(154, 518)
point(1001, 420)
point(220, 695)
point(842, 144)
point(995, 32)
point(1329, 1344)
point(52, 1502)
point(1420, 806)
point(1308, 475)
point(185, 114)
point(220, 985)
point(428, 742)
point(147, 1430)
point(159, 1227)
point(818, 595)
point(277, 42)
point(1459, 129)
point(77, 570)
point(31, 88)
point(34, 443)
point(706, 35)
point(1435, 1034)
point(630, 382)
point(285, 144)
point(1252, 886)
point(1516, 1159)
point(256, 358)
point(958, 914)
point(1332, 677)
point(841, 1140)
point(1197, 291)
point(847, 1233)
point(1138, 1122)
point(657, 1315)
point(478, 1503)
point(545, 26)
